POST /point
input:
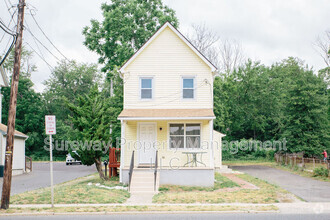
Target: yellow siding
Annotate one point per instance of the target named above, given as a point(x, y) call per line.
point(167, 58)
point(165, 154)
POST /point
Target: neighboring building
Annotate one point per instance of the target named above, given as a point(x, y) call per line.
point(20, 138)
point(19, 150)
point(168, 107)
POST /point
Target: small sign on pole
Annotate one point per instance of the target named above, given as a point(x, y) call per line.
point(50, 122)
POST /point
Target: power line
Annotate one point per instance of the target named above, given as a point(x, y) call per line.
point(35, 40)
point(46, 35)
point(8, 26)
point(41, 43)
point(41, 57)
point(7, 30)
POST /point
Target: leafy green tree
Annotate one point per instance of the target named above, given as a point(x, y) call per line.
point(30, 109)
point(67, 81)
point(90, 119)
point(126, 26)
point(306, 125)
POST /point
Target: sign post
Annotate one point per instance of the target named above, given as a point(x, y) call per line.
point(50, 130)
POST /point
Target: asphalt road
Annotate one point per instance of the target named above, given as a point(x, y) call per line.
point(306, 188)
point(40, 176)
point(215, 216)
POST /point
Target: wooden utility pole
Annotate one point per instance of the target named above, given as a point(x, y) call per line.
point(12, 110)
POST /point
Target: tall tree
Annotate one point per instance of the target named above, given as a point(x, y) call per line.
point(67, 81)
point(30, 108)
point(226, 54)
point(90, 118)
point(306, 125)
point(125, 28)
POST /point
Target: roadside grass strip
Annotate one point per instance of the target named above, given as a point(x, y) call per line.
point(140, 208)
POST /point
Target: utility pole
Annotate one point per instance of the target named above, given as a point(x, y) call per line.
point(6, 187)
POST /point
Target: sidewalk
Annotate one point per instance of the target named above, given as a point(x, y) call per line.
point(287, 208)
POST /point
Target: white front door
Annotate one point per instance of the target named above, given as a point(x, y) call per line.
point(147, 140)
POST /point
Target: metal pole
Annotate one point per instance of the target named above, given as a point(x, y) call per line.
point(51, 169)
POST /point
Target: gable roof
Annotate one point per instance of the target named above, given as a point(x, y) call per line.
point(183, 38)
point(3, 130)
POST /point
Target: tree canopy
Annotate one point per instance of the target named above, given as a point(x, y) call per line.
point(125, 28)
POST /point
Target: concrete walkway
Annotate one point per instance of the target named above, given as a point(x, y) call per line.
point(306, 188)
point(140, 198)
point(301, 207)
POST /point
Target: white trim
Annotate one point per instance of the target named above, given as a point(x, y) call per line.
point(138, 136)
point(194, 88)
point(167, 24)
point(152, 88)
point(122, 150)
point(184, 137)
point(165, 118)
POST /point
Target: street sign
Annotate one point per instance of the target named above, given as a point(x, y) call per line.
point(50, 124)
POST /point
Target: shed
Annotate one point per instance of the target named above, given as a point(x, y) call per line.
point(19, 150)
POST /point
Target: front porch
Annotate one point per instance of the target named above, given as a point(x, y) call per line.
point(183, 148)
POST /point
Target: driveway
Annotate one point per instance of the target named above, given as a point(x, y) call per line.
point(40, 176)
point(306, 188)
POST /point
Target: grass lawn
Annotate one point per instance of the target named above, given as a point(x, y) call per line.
point(299, 171)
point(248, 162)
point(295, 170)
point(267, 193)
point(75, 191)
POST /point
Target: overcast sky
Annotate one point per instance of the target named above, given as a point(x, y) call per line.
point(269, 31)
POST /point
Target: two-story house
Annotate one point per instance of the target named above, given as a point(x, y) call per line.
point(168, 111)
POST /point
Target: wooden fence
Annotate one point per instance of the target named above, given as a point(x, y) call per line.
point(298, 160)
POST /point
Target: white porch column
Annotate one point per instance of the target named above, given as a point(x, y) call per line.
point(211, 144)
point(122, 149)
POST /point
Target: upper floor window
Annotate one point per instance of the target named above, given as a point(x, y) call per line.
point(188, 89)
point(146, 88)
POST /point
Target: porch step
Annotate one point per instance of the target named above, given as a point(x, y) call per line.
point(143, 181)
point(224, 169)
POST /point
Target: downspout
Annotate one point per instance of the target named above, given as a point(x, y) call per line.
point(122, 147)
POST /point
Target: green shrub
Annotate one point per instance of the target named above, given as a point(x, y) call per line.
point(321, 171)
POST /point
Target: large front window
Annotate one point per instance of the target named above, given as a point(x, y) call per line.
point(185, 135)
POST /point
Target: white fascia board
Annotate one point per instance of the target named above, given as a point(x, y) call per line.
point(167, 24)
point(164, 118)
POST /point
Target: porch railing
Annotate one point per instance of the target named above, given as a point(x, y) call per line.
point(130, 173)
point(155, 172)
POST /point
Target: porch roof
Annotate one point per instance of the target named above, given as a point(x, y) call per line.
point(166, 114)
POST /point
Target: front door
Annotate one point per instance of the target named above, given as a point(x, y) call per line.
point(147, 139)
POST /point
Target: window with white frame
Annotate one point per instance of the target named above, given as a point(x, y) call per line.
point(185, 135)
point(146, 88)
point(188, 89)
